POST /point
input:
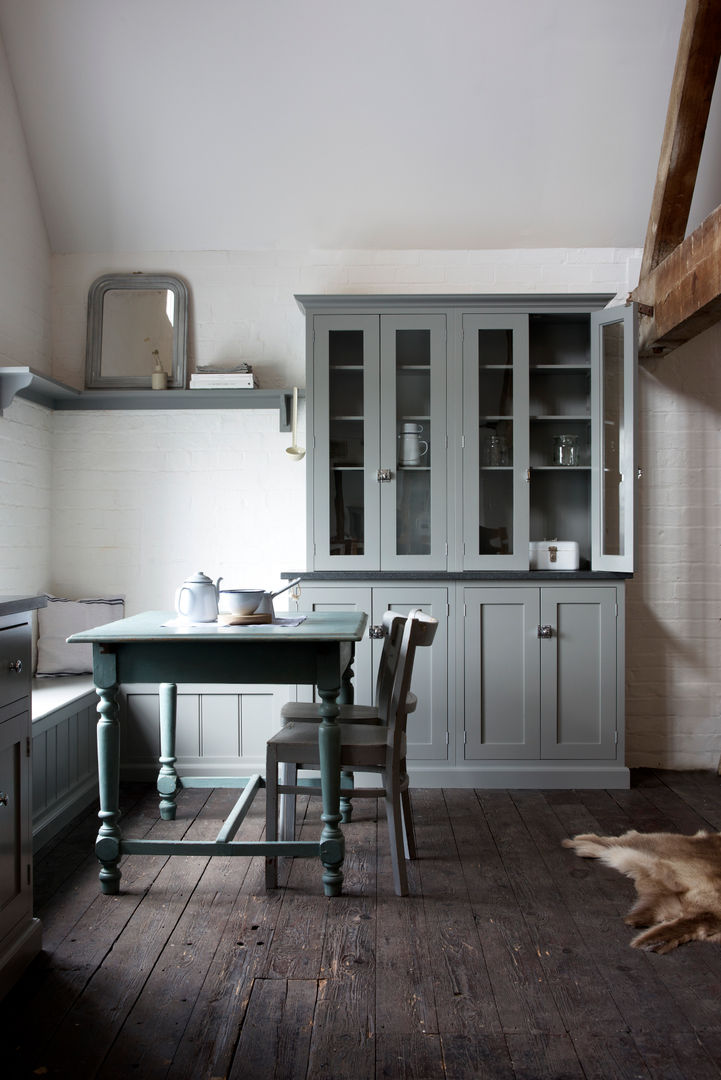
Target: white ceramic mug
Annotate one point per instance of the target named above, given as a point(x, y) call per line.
point(412, 447)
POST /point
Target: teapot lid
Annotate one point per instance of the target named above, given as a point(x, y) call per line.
point(199, 579)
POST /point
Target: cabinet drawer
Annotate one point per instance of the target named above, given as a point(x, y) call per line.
point(15, 659)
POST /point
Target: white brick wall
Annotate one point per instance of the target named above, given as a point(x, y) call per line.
point(674, 601)
point(25, 498)
point(241, 303)
point(139, 500)
point(143, 499)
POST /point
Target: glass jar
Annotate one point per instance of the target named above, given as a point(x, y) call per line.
point(565, 450)
point(496, 452)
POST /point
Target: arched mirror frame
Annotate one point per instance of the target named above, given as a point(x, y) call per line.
point(95, 377)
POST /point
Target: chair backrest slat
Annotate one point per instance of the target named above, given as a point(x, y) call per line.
point(418, 632)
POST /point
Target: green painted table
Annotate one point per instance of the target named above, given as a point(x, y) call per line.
point(143, 648)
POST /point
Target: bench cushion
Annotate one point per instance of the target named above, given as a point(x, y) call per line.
point(63, 617)
point(50, 695)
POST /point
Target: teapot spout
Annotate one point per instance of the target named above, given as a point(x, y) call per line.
point(217, 587)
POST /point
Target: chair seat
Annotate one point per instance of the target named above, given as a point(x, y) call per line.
point(362, 746)
point(310, 710)
point(351, 714)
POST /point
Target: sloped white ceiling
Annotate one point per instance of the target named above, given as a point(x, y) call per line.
point(230, 124)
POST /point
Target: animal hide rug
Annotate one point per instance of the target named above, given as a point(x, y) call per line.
point(677, 878)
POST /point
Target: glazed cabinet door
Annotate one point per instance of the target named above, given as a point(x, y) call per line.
point(502, 678)
point(495, 442)
point(578, 673)
point(413, 442)
point(346, 491)
point(614, 358)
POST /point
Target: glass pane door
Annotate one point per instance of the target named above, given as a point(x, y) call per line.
point(345, 498)
point(495, 406)
point(413, 441)
point(614, 355)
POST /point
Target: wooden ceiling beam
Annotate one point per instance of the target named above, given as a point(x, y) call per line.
point(692, 87)
point(682, 293)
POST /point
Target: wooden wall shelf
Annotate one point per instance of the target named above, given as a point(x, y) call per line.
point(44, 390)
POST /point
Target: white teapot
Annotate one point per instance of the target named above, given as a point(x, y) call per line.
point(197, 598)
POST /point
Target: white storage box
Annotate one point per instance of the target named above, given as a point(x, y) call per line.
point(553, 555)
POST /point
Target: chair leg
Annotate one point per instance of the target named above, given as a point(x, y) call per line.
point(271, 814)
point(395, 833)
point(346, 806)
point(409, 832)
point(288, 775)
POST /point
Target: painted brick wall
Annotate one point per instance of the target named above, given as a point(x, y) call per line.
point(25, 430)
point(25, 498)
point(140, 500)
point(673, 696)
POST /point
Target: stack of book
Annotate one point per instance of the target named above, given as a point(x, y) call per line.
point(240, 377)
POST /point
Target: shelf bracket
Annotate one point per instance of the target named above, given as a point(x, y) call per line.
point(13, 379)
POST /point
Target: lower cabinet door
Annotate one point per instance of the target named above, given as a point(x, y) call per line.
point(343, 598)
point(540, 673)
point(15, 855)
point(502, 685)
point(428, 725)
point(427, 731)
point(578, 673)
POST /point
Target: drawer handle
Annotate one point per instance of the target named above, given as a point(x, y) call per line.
point(545, 631)
point(16, 666)
point(3, 799)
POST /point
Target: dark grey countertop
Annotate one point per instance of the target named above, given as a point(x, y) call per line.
point(11, 605)
point(456, 575)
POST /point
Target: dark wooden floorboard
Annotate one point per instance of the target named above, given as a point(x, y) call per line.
point(509, 959)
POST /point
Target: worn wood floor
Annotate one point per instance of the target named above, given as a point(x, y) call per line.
point(510, 958)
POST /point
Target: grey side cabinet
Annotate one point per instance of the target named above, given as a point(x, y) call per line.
point(20, 933)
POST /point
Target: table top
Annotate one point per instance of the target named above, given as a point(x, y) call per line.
point(150, 626)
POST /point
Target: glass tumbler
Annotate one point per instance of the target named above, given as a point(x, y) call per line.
point(565, 450)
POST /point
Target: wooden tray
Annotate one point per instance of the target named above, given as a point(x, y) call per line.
point(244, 620)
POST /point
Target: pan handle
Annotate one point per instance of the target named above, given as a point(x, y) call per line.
point(285, 587)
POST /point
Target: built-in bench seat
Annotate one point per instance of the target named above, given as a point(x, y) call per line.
point(64, 756)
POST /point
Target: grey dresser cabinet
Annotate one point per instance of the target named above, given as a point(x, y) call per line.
point(453, 442)
point(541, 680)
point(20, 933)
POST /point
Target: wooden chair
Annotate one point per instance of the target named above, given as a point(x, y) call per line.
point(309, 712)
point(371, 747)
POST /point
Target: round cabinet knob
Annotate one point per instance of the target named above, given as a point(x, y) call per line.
point(16, 666)
point(376, 632)
point(545, 631)
point(3, 799)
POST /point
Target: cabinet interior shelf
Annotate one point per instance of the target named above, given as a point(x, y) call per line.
point(560, 468)
point(346, 367)
point(564, 417)
point(44, 390)
point(545, 368)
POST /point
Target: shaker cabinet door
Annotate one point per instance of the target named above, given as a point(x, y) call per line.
point(578, 673)
point(502, 690)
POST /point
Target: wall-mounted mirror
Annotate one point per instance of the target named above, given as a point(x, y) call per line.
point(132, 320)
